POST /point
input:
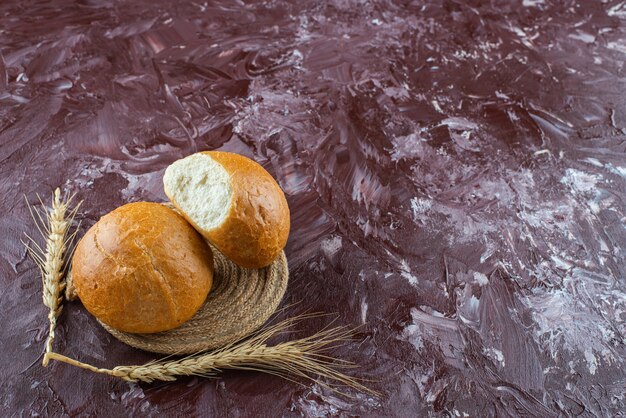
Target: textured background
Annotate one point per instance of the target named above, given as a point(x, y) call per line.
point(456, 174)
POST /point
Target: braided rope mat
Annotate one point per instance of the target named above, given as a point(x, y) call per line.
point(240, 301)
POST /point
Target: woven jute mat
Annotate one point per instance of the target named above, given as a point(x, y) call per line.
point(240, 301)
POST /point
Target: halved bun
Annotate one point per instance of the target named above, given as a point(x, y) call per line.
point(233, 202)
point(142, 268)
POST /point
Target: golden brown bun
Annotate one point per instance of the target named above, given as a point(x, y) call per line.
point(142, 268)
point(256, 228)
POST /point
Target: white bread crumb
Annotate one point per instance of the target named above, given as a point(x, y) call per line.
point(202, 189)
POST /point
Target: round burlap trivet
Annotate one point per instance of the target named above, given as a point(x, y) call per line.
point(240, 301)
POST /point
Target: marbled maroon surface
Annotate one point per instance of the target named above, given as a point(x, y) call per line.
point(456, 174)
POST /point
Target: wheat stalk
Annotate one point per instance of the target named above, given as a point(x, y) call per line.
point(53, 224)
point(297, 359)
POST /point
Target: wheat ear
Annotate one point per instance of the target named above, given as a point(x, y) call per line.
point(303, 358)
point(53, 224)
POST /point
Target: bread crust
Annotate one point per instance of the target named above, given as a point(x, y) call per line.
point(257, 225)
point(142, 269)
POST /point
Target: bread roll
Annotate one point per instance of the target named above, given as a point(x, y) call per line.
point(142, 268)
point(234, 202)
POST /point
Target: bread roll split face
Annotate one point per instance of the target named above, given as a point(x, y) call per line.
point(233, 202)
